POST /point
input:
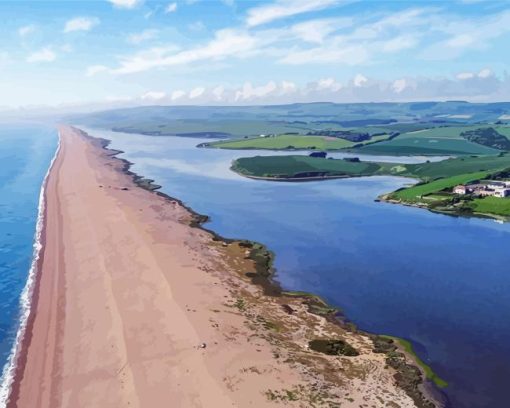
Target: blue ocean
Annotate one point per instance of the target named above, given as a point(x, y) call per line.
point(25, 155)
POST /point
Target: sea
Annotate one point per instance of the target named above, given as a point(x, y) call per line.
point(439, 281)
point(26, 152)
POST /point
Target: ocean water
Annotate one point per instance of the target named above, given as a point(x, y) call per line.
point(439, 281)
point(25, 154)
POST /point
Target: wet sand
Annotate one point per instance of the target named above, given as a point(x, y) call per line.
point(133, 307)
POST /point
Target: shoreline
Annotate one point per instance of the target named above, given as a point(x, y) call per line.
point(267, 281)
point(347, 150)
point(385, 199)
point(241, 256)
point(29, 297)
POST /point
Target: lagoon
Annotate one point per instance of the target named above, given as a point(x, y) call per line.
point(439, 281)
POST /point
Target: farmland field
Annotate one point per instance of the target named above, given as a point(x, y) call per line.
point(461, 165)
point(415, 193)
point(230, 128)
point(419, 145)
point(290, 166)
point(286, 142)
point(492, 205)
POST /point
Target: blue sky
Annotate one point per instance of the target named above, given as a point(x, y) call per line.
point(248, 52)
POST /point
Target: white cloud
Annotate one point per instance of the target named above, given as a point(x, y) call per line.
point(466, 34)
point(43, 55)
point(399, 85)
point(172, 7)
point(315, 31)
point(218, 92)
point(249, 92)
point(360, 80)
point(129, 4)
point(80, 24)
point(153, 96)
point(329, 84)
point(288, 87)
point(465, 75)
point(26, 30)
point(226, 43)
point(95, 69)
point(330, 89)
point(284, 8)
point(195, 93)
point(142, 36)
point(485, 73)
point(177, 95)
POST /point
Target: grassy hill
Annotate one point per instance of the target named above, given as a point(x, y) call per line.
point(240, 121)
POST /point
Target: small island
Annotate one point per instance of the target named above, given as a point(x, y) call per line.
point(482, 179)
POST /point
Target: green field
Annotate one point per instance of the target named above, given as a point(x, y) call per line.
point(300, 166)
point(433, 141)
point(504, 130)
point(491, 205)
point(454, 166)
point(288, 166)
point(286, 142)
point(439, 140)
point(231, 128)
point(416, 193)
point(406, 145)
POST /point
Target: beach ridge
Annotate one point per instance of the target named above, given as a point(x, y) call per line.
point(136, 308)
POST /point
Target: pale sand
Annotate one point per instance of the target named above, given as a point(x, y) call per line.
point(127, 291)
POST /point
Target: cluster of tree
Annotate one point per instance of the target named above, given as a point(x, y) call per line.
point(487, 137)
point(342, 134)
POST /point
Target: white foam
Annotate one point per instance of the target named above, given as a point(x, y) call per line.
point(26, 296)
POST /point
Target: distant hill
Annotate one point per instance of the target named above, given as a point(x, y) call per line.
point(239, 121)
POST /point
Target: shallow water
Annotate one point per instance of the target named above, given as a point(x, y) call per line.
point(441, 282)
point(25, 154)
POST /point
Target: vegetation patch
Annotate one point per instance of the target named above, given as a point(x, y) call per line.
point(335, 347)
point(417, 192)
point(388, 345)
point(301, 167)
point(487, 137)
point(491, 205)
point(286, 142)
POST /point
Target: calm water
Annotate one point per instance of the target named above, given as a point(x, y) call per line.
point(439, 281)
point(25, 154)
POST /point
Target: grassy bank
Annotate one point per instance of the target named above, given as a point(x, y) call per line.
point(286, 142)
point(417, 192)
point(429, 373)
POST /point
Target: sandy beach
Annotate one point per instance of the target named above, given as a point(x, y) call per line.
point(133, 307)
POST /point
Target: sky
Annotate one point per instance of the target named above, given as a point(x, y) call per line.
point(140, 52)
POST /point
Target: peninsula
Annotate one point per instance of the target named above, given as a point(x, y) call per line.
point(438, 186)
point(135, 305)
